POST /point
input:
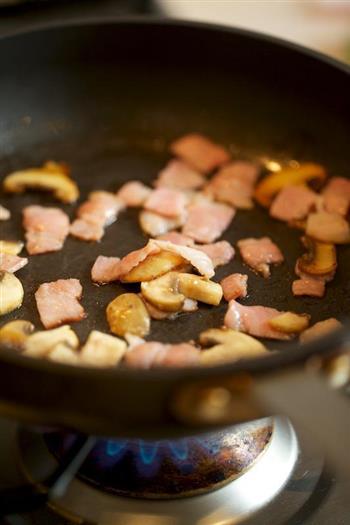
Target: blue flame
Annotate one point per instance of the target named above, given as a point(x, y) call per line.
point(115, 447)
point(179, 449)
point(148, 451)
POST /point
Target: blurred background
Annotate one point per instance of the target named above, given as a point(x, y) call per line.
point(318, 24)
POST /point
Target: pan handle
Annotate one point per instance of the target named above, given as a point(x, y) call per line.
point(324, 412)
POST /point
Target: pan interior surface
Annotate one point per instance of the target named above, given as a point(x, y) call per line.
point(108, 100)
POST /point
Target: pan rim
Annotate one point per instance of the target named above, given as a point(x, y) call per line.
point(161, 20)
point(296, 354)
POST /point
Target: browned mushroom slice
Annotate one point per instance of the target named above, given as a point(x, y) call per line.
point(163, 292)
point(199, 288)
point(11, 247)
point(50, 177)
point(11, 293)
point(5, 214)
point(128, 314)
point(320, 329)
point(321, 258)
point(41, 344)
point(228, 345)
point(290, 323)
point(328, 227)
point(153, 266)
point(65, 354)
point(102, 350)
point(288, 176)
point(15, 334)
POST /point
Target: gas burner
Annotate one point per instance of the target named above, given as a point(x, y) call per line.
point(278, 483)
point(167, 468)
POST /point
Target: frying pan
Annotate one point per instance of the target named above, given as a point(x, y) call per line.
point(107, 97)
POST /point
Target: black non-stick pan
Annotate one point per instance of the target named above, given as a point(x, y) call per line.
point(108, 98)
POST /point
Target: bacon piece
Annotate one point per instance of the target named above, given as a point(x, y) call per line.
point(101, 207)
point(100, 210)
point(200, 197)
point(311, 287)
point(167, 202)
point(293, 203)
point(206, 222)
point(234, 286)
point(260, 253)
point(176, 238)
point(320, 329)
point(154, 224)
point(253, 320)
point(182, 354)
point(46, 229)
point(86, 230)
point(328, 227)
point(336, 196)
point(197, 258)
point(143, 355)
point(57, 302)
point(134, 193)
point(4, 213)
point(200, 152)
point(11, 263)
point(105, 269)
point(234, 184)
point(177, 175)
point(220, 252)
point(154, 354)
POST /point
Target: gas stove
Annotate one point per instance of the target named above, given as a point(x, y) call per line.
point(261, 473)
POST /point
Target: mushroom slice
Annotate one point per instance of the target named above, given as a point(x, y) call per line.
point(11, 247)
point(102, 350)
point(64, 353)
point(5, 214)
point(128, 314)
point(153, 266)
point(11, 292)
point(228, 346)
point(288, 176)
point(42, 343)
point(50, 177)
point(320, 329)
point(328, 227)
point(199, 288)
point(321, 258)
point(15, 333)
point(163, 292)
point(290, 323)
